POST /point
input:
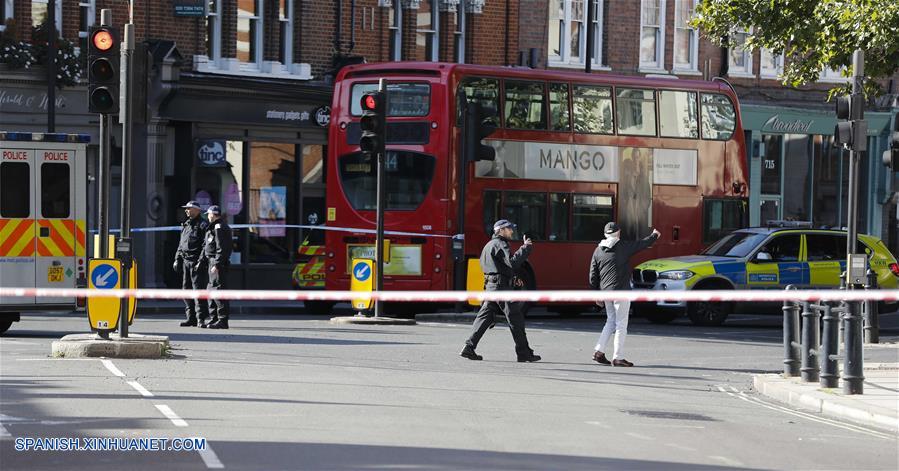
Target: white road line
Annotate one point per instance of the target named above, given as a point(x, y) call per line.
point(680, 447)
point(4, 434)
point(804, 415)
point(210, 458)
point(142, 390)
point(112, 368)
point(598, 424)
point(168, 412)
point(638, 436)
point(727, 461)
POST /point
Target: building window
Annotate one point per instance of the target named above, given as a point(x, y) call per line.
point(740, 58)
point(87, 14)
point(214, 29)
point(652, 34)
point(285, 23)
point(771, 65)
point(6, 11)
point(832, 75)
point(568, 33)
point(426, 37)
point(686, 38)
point(40, 11)
point(249, 32)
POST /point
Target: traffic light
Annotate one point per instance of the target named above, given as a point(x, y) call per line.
point(853, 133)
point(479, 124)
point(103, 70)
point(891, 155)
point(373, 123)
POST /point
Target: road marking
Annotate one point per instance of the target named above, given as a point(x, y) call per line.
point(727, 461)
point(168, 412)
point(598, 424)
point(210, 458)
point(112, 368)
point(4, 434)
point(742, 396)
point(680, 447)
point(638, 436)
point(142, 390)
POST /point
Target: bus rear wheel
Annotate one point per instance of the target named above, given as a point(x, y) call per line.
point(4, 326)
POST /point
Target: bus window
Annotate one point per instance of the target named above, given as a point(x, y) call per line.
point(591, 213)
point(718, 117)
point(403, 99)
point(525, 105)
point(721, 217)
point(55, 190)
point(559, 204)
point(491, 210)
point(528, 210)
point(558, 107)
point(678, 115)
point(409, 176)
point(15, 190)
point(484, 91)
point(636, 112)
point(593, 110)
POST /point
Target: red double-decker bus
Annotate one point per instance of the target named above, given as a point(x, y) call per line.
point(573, 151)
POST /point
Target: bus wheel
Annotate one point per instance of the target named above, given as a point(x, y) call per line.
point(709, 313)
point(319, 307)
point(4, 326)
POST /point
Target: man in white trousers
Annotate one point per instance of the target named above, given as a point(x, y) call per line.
point(610, 270)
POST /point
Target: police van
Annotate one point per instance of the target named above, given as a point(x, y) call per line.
point(43, 211)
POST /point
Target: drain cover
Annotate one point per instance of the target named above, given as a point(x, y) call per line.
point(661, 414)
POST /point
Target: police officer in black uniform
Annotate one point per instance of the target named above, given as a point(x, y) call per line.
point(193, 231)
point(216, 255)
point(499, 266)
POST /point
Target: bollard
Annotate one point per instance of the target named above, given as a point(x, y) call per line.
point(853, 374)
point(791, 338)
point(872, 312)
point(811, 339)
point(829, 348)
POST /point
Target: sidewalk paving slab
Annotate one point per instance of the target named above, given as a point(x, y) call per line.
point(877, 407)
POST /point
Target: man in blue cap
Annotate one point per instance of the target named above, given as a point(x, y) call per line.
point(193, 231)
point(217, 255)
point(499, 266)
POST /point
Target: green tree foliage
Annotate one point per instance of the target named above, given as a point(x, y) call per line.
point(812, 34)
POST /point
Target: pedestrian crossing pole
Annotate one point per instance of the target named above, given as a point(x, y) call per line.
point(123, 248)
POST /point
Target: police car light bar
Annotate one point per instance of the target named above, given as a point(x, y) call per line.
point(785, 223)
point(45, 137)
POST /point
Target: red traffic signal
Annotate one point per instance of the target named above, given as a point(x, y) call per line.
point(103, 70)
point(373, 123)
point(371, 102)
point(103, 40)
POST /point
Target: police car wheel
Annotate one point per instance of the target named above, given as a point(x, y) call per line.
point(708, 313)
point(658, 316)
point(4, 326)
point(318, 307)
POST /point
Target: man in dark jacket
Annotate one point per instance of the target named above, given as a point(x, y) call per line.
point(193, 231)
point(499, 266)
point(610, 270)
point(217, 255)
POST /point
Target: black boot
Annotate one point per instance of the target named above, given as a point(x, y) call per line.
point(468, 352)
point(219, 324)
point(528, 357)
point(189, 323)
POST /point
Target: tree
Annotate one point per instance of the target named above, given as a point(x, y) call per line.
point(812, 34)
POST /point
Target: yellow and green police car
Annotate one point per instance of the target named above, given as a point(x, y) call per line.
point(757, 258)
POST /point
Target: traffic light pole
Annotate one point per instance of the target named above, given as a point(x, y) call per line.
point(381, 197)
point(123, 249)
point(853, 374)
point(51, 65)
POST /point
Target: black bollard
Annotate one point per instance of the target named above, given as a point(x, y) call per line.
point(853, 368)
point(811, 339)
point(791, 338)
point(872, 312)
point(829, 348)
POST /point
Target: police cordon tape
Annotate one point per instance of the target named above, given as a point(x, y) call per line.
point(583, 296)
point(295, 226)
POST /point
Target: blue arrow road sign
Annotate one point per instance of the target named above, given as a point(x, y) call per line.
point(104, 276)
point(361, 271)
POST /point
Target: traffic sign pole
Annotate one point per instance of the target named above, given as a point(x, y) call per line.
point(381, 197)
point(123, 248)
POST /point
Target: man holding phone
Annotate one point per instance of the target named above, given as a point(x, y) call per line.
point(499, 266)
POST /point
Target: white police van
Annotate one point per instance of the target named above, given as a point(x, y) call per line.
point(43, 212)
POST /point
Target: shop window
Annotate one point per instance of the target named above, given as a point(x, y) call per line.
point(220, 182)
point(636, 112)
point(590, 216)
point(721, 217)
point(558, 107)
point(528, 210)
point(525, 105)
point(313, 192)
point(273, 171)
point(677, 114)
point(771, 164)
point(314, 164)
point(652, 34)
point(797, 181)
point(559, 208)
point(55, 190)
point(827, 179)
point(593, 110)
point(719, 119)
point(15, 190)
